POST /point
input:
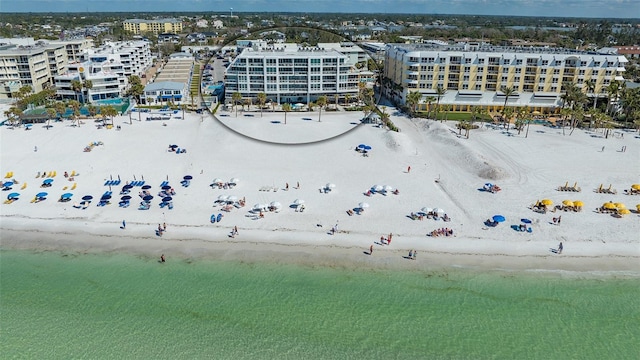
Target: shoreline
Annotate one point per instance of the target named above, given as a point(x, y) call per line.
point(282, 248)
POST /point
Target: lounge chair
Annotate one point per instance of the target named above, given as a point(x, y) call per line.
point(24, 186)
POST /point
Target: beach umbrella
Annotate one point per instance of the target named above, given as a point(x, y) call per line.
point(41, 194)
point(125, 198)
point(105, 197)
point(217, 180)
point(387, 188)
point(376, 188)
point(47, 181)
point(567, 202)
point(87, 197)
point(619, 206)
point(363, 205)
point(635, 186)
point(498, 218)
point(13, 196)
point(488, 184)
point(298, 202)
point(8, 184)
point(367, 147)
point(232, 198)
point(259, 206)
point(638, 207)
point(167, 198)
point(147, 198)
point(275, 204)
point(234, 181)
point(526, 221)
point(546, 202)
point(146, 187)
point(66, 195)
point(223, 197)
point(361, 146)
point(426, 210)
point(438, 211)
point(128, 186)
point(173, 146)
point(187, 177)
point(609, 205)
point(624, 212)
point(166, 187)
point(578, 203)
point(330, 186)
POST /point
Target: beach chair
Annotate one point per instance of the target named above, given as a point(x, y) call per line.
point(73, 173)
point(8, 175)
point(38, 175)
point(24, 186)
point(65, 188)
point(54, 174)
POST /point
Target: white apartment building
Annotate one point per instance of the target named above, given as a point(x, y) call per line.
point(75, 48)
point(135, 56)
point(473, 74)
point(288, 73)
point(106, 83)
point(34, 65)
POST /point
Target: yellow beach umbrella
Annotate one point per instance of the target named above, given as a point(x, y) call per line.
point(635, 186)
point(578, 203)
point(624, 212)
point(619, 205)
point(638, 207)
point(567, 202)
point(546, 202)
point(609, 205)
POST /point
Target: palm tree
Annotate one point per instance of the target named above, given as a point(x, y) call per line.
point(87, 85)
point(507, 113)
point(61, 108)
point(262, 99)
point(347, 99)
point(413, 98)
point(361, 88)
point(51, 113)
point(521, 115)
point(108, 111)
point(76, 86)
point(429, 100)
point(93, 110)
point(286, 107)
point(439, 94)
point(236, 97)
point(321, 102)
point(13, 114)
point(75, 106)
point(384, 117)
point(613, 92)
point(591, 87)
point(507, 91)
point(336, 98)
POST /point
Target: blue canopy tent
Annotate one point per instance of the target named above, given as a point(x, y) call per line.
point(47, 181)
point(7, 185)
point(41, 195)
point(498, 218)
point(13, 196)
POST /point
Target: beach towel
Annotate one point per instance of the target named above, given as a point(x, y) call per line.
point(213, 218)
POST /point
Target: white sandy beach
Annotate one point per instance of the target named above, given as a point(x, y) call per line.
point(527, 169)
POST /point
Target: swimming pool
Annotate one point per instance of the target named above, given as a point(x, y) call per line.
point(116, 101)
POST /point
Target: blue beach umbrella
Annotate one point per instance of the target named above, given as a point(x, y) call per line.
point(127, 187)
point(8, 184)
point(361, 146)
point(187, 177)
point(13, 196)
point(167, 198)
point(166, 187)
point(87, 197)
point(147, 198)
point(498, 218)
point(126, 197)
point(367, 147)
point(526, 221)
point(66, 195)
point(105, 197)
point(47, 181)
point(41, 194)
point(146, 187)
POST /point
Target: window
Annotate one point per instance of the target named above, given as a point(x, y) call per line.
point(467, 61)
point(545, 62)
point(443, 60)
point(540, 88)
point(583, 63)
point(595, 72)
point(556, 71)
point(596, 63)
point(518, 61)
point(478, 87)
point(478, 77)
point(441, 77)
point(557, 63)
point(480, 70)
point(505, 70)
point(467, 69)
point(504, 79)
point(480, 61)
point(518, 70)
point(580, 72)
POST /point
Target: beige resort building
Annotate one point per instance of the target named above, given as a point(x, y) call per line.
point(473, 74)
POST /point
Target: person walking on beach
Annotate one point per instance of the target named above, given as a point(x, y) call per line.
point(164, 226)
point(159, 230)
point(371, 250)
point(411, 254)
point(124, 224)
point(409, 169)
point(415, 253)
point(560, 247)
point(389, 239)
point(559, 218)
point(162, 258)
point(286, 187)
point(602, 149)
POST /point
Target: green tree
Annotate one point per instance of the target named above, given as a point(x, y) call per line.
point(413, 99)
point(13, 114)
point(75, 107)
point(60, 108)
point(440, 92)
point(507, 91)
point(76, 86)
point(286, 107)
point(87, 85)
point(429, 100)
point(262, 99)
point(136, 89)
point(93, 110)
point(321, 102)
point(108, 111)
point(347, 99)
point(236, 97)
point(51, 113)
point(591, 88)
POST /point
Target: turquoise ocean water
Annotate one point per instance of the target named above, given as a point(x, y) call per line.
point(66, 306)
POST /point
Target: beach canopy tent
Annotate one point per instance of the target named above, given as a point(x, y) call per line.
point(567, 203)
point(578, 203)
point(635, 186)
point(426, 210)
point(377, 188)
point(387, 188)
point(41, 195)
point(609, 205)
point(87, 197)
point(498, 218)
point(546, 202)
point(12, 196)
point(526, 221)
point(438, 211)
point(66, 195)
point(47, 181)
point(146, 187)
point(259, 207)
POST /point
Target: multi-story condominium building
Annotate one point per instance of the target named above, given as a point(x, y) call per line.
point(156, 26)
point(289, 73)
point(163, 91)
point(106, 84)
point(75, 48)
point(33, 65)
point(473, 74)
point(134, 56)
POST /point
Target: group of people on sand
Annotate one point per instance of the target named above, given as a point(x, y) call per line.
point(441, 232)
point(387, 240)
point(161, 229)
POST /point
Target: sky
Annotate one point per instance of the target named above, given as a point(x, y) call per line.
point(550, 8)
